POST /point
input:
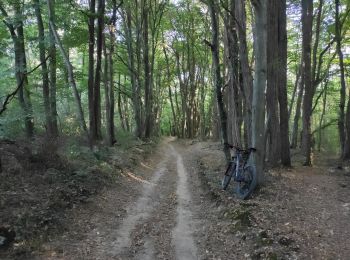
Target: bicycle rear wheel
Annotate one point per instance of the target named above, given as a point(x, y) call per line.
point(247, 183)
point(228, 175)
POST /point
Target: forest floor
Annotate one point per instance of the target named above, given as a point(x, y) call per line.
point(171, 207)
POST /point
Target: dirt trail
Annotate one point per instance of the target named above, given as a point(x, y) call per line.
point(185, 247)
point(155, 222)
point(172, 207)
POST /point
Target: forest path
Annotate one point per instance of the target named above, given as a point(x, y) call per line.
point(172, 207)
point(151, 218)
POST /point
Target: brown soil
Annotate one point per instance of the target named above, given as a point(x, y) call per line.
point(172, 207)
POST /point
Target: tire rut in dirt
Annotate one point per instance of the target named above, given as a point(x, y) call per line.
point(185, 247)
point(152, 238)
point(120, 240)
point(212, 240)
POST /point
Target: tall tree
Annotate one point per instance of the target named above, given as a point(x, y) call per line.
point(109, 71)
point(91, 28)
point(96, 133)
point(44, 70)
point(53, 76)
point(214, 45)
point(258, 104)
point(70, 71)
point(345, 152)
point(282, 79)
point(307, 18)
point(272, 108)
point(15, 27)
point(147, 72)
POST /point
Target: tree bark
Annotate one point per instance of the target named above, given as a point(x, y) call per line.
point(147, 82)
point(217, 76)
point(345, 152)
point(96, 131)
point(273, 131)
point(307, 17)
point(282, 81)
point(244, 62)
point(91, 27)
point(295, 132)
point(44, 69)
point(53, 76)
point(258, 104)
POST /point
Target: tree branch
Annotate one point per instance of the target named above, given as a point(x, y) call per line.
point(10, 96)
point(330, 123)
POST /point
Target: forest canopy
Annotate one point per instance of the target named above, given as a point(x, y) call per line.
point(192, 69)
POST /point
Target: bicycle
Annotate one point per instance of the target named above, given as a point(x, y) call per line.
point(243, 173)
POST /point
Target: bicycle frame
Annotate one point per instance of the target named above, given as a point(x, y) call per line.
point(239, 165)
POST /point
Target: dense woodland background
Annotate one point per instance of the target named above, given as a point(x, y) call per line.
point(270, 74)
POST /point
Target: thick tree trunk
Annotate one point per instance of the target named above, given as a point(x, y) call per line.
point(217, 76)
point(96, 133)
point(246, 70)
point(273, 131)
point(258, 104)
point(109, 75)
point(282, 81)
point(307, 17)
point(234, 99)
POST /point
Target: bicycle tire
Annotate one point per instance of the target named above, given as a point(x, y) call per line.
point(245, 188)
point(227, 176)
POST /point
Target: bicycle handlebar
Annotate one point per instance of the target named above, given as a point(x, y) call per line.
point(250, 149)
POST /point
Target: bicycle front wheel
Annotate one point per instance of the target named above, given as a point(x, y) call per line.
point(247, 183)
point(228, 175)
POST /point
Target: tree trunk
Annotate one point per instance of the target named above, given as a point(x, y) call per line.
point(295, 133)
point(53, 78)
point(136, 97)
point(234, 99)
point(91, 27)
point(322, 118)
point(44, 69)
point(307, 17)
point(246, 70)
point(217, 76)
point(341, 121)
point(296, 85)
point(96, 131)
point(273, 131)
point(282, 81)
point(21, 69)
point(148, 82)
point(69, 70)
point(258, 104)
point(109, 79)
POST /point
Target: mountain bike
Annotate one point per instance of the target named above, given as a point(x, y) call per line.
point(242, 171)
